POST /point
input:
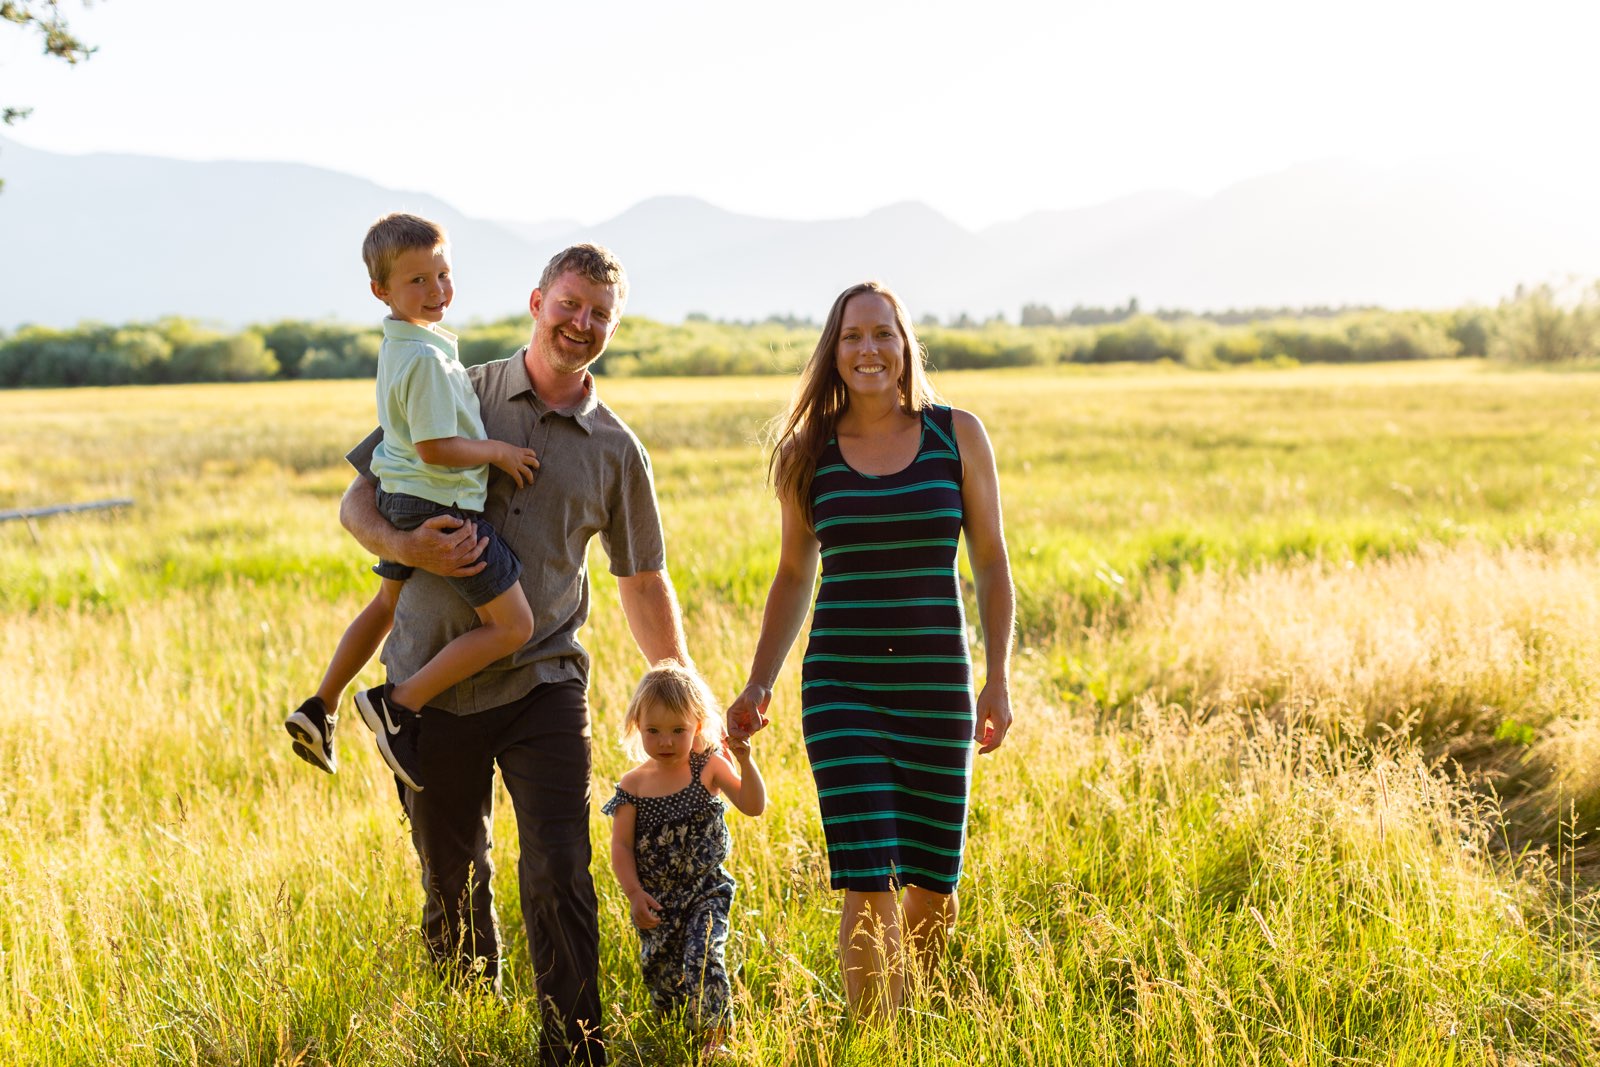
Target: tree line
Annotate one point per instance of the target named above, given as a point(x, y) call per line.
point(1536, 325)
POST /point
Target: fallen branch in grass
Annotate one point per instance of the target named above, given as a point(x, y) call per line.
point(60, 509)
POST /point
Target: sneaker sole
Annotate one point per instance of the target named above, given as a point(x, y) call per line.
point(374, 721)
point(313, 757)
point(307, 745)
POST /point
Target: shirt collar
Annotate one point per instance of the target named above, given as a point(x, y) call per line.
point(582, 413)
point(437, 336)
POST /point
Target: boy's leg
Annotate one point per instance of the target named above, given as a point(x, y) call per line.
point(505, 624)
point(361, 641)
point(312, 724)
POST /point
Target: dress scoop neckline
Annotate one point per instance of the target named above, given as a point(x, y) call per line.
point(922, 440)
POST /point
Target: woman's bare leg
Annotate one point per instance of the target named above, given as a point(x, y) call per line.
point(929, 918)
point(869, 953)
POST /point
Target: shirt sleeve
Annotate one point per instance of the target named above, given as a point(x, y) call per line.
point(632, 538)
point(360, 457)
point(428, 400)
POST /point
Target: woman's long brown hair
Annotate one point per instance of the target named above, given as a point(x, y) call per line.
point(820, 398)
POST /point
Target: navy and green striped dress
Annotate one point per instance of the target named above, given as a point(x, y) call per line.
point(886, 690)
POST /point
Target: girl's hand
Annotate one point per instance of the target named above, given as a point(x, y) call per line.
point(645, 910)
point(516, 461)
point(748, 712)
point(994, 716)
point(737, 746)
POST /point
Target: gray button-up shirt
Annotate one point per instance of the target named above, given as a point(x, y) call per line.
point(593, 478)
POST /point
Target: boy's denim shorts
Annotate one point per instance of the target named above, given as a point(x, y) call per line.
point(501, 566)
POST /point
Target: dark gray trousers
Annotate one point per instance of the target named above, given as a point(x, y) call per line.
point(541, 744)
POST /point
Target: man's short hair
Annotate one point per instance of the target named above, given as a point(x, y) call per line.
point(396, 233)
point(594, 262)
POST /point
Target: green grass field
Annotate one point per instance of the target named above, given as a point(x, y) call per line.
point(1306, 767)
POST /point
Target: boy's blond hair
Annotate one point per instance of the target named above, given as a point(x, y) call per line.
point(393, 234)
point(681, 690)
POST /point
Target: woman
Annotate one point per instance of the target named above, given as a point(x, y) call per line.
point(877, 480)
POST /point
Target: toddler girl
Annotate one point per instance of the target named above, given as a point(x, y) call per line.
point(669, 841)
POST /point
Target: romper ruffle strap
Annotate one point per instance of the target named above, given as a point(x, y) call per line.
point(619, 798)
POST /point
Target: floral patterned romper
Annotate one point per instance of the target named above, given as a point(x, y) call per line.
point(679, 845)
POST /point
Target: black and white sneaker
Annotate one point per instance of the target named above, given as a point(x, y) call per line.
point(312, 729)
point(397, 728)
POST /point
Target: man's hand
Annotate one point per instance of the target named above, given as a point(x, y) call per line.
point(446, 546)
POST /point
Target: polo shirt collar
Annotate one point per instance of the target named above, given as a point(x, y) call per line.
point(438, 336)
point(582, 413)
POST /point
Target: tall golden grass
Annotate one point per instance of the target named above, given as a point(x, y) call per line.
point(1303, 770)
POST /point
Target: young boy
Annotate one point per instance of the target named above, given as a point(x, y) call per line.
point(433, 460)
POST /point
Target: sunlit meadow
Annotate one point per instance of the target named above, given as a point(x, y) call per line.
point(1306, 765)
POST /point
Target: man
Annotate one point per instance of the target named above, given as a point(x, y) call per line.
point(528, 714)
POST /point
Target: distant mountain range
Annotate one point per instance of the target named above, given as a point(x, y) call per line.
point(121, 238)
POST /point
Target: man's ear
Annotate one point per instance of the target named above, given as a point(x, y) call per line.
point(534, 301)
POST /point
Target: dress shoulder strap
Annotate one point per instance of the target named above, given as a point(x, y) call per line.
point(942, 421)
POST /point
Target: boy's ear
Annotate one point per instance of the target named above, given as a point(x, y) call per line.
point(380, 292)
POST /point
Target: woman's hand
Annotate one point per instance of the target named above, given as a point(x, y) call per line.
point(994, 716)
point(748, 712)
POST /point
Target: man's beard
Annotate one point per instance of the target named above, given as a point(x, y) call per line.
point(561, 359)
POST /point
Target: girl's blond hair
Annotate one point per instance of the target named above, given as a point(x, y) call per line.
point(681, 690)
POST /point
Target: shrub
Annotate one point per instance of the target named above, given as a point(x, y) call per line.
point(1535, 327)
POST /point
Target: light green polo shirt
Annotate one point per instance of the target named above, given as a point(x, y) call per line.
point(424, 394)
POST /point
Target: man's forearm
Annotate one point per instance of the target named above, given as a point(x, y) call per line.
point(359, 514)
point(651, 608)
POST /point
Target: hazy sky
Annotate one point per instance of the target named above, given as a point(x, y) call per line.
point(520, 109)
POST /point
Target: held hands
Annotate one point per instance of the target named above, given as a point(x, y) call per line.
point(748, 713)
point(645, 910)
point(446, 546)
point(516, 461)
point(994, 716)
